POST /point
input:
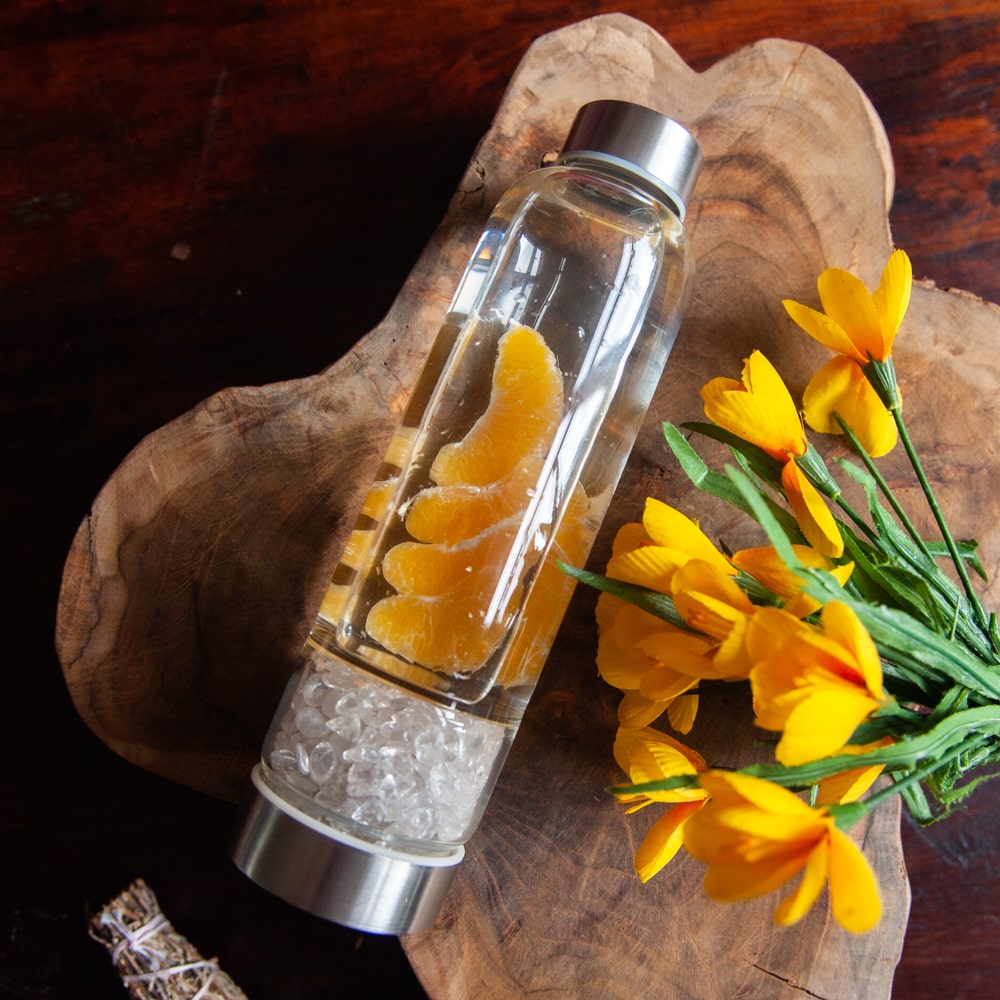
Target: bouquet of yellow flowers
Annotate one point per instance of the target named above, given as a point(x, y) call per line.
point(865, 654)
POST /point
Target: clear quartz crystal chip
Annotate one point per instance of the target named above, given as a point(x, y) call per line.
point(365, 751)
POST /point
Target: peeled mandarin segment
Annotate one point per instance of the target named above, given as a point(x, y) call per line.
point(355, 549)
point(437, 633)
point(469, 567)
point(334, 602)
point(525, 407)
point(541, 620)
point(570, 543)
point(378, 498)
point(398, 449)
point(453, 513)
point(465, 528)
point(549, 597)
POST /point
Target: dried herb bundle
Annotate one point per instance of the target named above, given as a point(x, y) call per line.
point(153, 960)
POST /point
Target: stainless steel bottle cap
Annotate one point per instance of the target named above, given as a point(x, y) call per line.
point(639, 140)
point(333, 875)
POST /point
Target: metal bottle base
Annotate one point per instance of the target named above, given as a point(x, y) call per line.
point(336, 876)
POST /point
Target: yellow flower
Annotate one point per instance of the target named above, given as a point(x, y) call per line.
point(713, 604)
point(648, 755)
point(811, 514)
point(855, 322)
point(850, 785)
point(760, 409)
point(755, 836)
point(861, 326)
point(814, 687)
point(648, 659)
point(653, 662)
point(650, 554)
point(767, 567)
point(841, 388)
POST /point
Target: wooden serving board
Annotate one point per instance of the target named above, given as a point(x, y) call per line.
point(191, 584)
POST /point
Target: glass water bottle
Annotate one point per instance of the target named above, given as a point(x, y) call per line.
point(440, 614)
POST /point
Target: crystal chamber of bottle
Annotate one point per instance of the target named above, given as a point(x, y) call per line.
point(439, 616)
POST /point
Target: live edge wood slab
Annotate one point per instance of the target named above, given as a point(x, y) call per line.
point(191, 584)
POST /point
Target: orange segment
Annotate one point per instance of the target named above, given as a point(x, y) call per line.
point(451, 513)
point(550, 594)
point(469, 568)
point(444, 635)
point(334, 602)
point(437, 618)
point(464, 529)
point(525, 407)
point(378, 499)
point(398, 449)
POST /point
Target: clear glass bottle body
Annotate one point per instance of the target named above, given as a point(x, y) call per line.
point(442, 610)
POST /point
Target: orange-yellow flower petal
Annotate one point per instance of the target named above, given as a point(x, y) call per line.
point(851, 784)
point(854, 322)
point(854, 895)
point(756, 836)
point(663, 840)
point(814, 723)
point(767, 567)
point(684, 652)
point(648, 755)
point(847, 301)
point(650, 660)
point(892, 297)
point(814, 687)
point(795, 906)
point(635, 711)
point(713, 604)
point(618, 662)
point(811, 512)
point(683, 710)
point(651, 566)
point(821, 328)
point(842, 626)
point(629, 536)
point(840, 387)
point(662, 684)
point(668, 527)
point(665, 541)
point(759, 409)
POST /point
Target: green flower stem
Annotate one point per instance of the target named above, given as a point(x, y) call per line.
point(848, 813)
point(859, 522)
point(946, 535)
point(927, 752)
point(925, 654)
point(953, 736)
point(883, 486)
point(899, 637)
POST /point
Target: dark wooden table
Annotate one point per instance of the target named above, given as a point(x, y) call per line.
point(197, 195)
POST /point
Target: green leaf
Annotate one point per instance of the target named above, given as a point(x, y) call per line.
point(648, 600)
point(968, 548)
point(714, 483)
point(917, 804)
point(761, 511)
point(884, 581)
point(763, 464)
point(910, 758)
point(913, 580)
point(911, 646)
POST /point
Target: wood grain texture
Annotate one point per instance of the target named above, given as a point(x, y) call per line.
point(177, 185)
point(191, 583)
point(194, 578)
